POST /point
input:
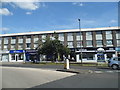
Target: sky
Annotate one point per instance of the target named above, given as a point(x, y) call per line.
point(20, 17)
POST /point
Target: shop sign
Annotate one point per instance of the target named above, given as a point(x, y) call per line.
point(117, 49)
point(16, 51)
point(31, 51)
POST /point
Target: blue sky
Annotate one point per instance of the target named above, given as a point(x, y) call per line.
point(45, 16)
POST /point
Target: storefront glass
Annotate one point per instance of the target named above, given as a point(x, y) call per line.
point(17, 55)
point(5, 57)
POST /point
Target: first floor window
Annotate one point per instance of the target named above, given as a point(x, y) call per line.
point(20, 46)
point(5, 47)
point(118, 42)
point(79, 44)
point(70, 44)
point(12, 47)
point(99, 42)
point(28, 45)
point(89, 43)
point(35, 45)
point(109, 42)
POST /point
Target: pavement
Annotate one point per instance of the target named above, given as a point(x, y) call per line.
point(17, 77)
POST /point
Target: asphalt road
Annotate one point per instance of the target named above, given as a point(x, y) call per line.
point(27, 77)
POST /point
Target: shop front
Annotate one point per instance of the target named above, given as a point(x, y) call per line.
point(31, 55)
point(117, 49)
point(4, 56)
point(95, 54)
point(17, 55)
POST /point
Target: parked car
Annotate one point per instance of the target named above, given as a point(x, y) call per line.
point(114, 62)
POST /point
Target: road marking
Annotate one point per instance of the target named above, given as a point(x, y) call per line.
point(109, 71)
point(98, 72)
point(118, 71)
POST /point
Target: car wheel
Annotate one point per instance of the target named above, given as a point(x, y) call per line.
point(114, 67)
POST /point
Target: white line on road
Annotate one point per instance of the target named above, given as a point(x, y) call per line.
point(98, 72)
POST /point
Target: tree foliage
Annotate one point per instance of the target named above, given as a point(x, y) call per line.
point(54, 48)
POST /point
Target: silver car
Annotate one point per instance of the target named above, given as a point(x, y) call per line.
point(114, 62)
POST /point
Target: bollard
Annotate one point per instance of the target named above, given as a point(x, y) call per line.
point(66, 64)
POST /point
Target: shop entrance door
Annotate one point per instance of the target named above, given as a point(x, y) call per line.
point(16, 57)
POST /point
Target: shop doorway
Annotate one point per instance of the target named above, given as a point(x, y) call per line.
point(17, 57)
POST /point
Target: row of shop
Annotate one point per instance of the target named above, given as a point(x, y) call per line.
point(87, 55)
point(18, 55)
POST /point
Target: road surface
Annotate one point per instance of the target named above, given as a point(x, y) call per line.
point(27, 77)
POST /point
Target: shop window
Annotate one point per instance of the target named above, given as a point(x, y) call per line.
point(5, 57)
point(88, 56)
point(109, 55)
point(12, 56)
point(20, 56)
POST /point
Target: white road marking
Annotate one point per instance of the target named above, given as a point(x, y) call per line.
point(109, 71)
point(98, 72)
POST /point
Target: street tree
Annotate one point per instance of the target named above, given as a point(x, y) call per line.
point(53, 48)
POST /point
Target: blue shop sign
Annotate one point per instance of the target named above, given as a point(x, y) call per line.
point(117, 49)
point(16, 51)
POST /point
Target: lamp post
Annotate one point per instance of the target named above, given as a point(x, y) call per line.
point(80, 42)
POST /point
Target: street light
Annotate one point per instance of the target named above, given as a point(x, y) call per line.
point(80, 41)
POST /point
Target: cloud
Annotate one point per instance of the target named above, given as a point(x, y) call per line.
point(27, 5)
point(28, 13)
point(77, 3)
point(24, 4)
point(4, 29)
point(5, 11)
point(113, 21)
